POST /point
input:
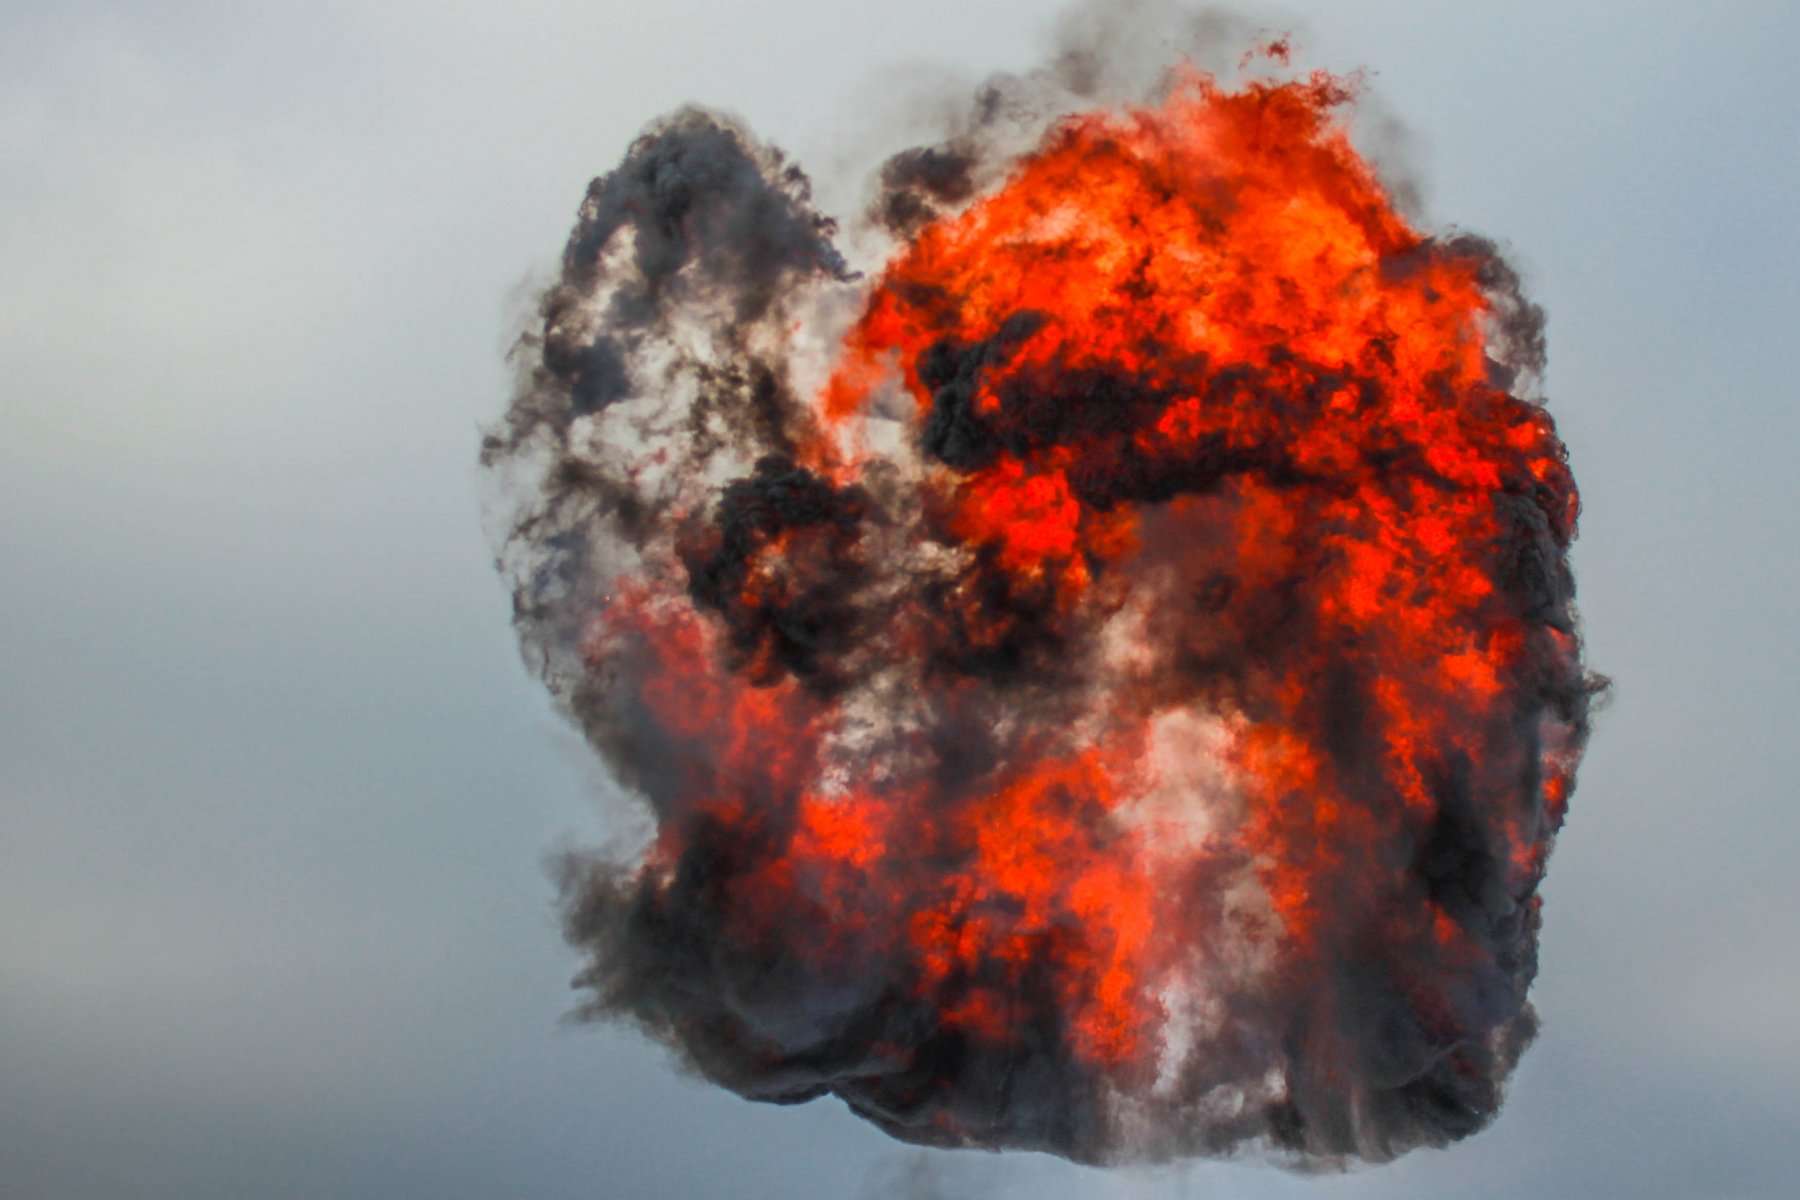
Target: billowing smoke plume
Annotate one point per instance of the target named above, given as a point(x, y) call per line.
point(1105, 680)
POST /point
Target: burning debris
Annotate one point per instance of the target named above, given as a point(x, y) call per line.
point(1114, 691)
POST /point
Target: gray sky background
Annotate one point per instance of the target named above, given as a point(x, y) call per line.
point(275, 790)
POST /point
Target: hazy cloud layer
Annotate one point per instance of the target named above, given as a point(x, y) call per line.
point(276, 790)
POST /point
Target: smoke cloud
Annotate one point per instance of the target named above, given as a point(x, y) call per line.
point(1104, 679)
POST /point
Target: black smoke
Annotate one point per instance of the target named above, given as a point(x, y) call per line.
point(655, 433)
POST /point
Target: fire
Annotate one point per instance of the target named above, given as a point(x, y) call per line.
point(1124, 709)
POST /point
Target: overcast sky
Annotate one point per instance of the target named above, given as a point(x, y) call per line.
point(275, 791)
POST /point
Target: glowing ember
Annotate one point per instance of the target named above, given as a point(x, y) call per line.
point(1122, 704)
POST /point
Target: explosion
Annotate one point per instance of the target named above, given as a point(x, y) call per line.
point(1107, 681)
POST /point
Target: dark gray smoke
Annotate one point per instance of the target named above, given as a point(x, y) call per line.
point(660, 365)
point(739, 627)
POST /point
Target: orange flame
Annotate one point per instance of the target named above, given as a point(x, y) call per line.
point(1206, 647)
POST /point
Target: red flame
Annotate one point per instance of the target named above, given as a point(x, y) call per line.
point(1201, 648)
